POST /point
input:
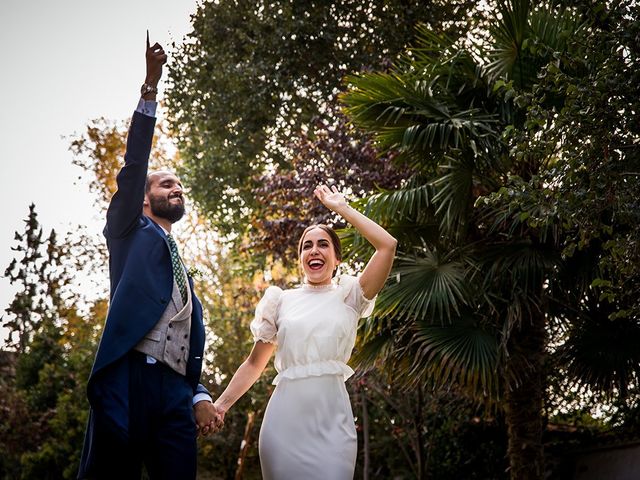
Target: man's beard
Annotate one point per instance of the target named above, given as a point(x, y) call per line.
point(161, 207)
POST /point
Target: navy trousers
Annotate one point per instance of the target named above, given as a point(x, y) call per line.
point(162, 430)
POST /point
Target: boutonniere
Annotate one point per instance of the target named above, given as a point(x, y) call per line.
point(195, 273)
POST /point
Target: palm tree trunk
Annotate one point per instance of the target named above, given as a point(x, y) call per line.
point(524, 401)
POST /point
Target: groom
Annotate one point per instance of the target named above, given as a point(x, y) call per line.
point(146, 401)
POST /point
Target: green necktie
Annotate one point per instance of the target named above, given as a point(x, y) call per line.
point(178, 269)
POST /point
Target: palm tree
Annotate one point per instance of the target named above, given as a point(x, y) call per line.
point(477, 283)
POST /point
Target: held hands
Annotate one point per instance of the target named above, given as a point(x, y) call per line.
point(155, 59)
point(208, 418)
point(330, 197)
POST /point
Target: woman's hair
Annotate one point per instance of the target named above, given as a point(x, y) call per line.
point(335, 240)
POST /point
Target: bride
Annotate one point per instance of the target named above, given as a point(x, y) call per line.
point(308, 429)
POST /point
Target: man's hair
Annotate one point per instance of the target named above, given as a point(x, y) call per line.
point(147, 182)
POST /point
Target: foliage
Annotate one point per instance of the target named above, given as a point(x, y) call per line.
point(578, 124)
point(252, 73)
point(597, 177)
point(505, 162)
point(16, 435)
point(326, 153)
point(234, 288)
point(45, 404)
point(99, 151)
point(463, 270)
point(499, 194)
point(424, 434)
point(38, 280)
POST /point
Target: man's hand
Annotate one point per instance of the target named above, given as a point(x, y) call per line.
point(155, 59)
point(208, 420)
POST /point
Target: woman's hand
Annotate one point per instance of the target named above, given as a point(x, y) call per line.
point(330, 197)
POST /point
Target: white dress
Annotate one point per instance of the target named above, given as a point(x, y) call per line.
point(308, 431)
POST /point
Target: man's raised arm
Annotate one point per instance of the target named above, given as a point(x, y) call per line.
point(125, 207)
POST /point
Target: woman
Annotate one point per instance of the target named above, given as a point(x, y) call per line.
point(308, 429)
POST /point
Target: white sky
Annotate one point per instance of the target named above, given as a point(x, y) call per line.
point(62, 64)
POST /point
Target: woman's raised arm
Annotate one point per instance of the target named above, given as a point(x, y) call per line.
point(377, 270)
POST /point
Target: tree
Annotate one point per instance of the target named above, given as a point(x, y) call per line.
point(596, 180)
point(424, 434)
point(99, 151)
point(251, 74)
point(46, 397)
point(326, 153)
point(472, 304)
point(34, 273)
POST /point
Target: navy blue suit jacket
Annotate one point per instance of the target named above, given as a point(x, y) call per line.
point(141, 286)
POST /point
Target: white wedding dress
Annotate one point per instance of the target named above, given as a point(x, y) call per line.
point(308, 431)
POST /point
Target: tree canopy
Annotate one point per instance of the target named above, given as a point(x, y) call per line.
point(252, 73)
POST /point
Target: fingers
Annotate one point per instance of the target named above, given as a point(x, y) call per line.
point(211, 427)
point(156, 56)
point(322, 191)
point(204, 429)
point(323, 188)
point(156, 46)
point(219, 421)
point(156, 51)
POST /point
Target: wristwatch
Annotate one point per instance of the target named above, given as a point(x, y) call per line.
point(146, 88)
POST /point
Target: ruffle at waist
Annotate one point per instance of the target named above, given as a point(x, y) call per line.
point(316, 369)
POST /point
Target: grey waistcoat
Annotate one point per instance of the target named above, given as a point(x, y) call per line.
point(168, 341)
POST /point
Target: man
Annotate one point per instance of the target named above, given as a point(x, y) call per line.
point(143, 389)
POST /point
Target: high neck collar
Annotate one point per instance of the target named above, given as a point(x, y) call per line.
point(328, 286)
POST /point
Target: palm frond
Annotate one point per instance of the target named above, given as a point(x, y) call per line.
point(404, 114)
point(509, 34)
point(429, 286)
point(372, 350)
point(552, 28)
point(517, 266)
point(429, 47)
point(464, 353)
point(406, 213)
point(602, 353)
point(526, 37)
point(454, 194)
point(408, 202)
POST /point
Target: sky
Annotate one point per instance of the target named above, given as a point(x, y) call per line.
point(62, 64)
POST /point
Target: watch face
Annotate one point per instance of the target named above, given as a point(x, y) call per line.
point(147, 89)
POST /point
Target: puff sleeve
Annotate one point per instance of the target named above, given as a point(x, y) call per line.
point(263, 326)
point(354, 296)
